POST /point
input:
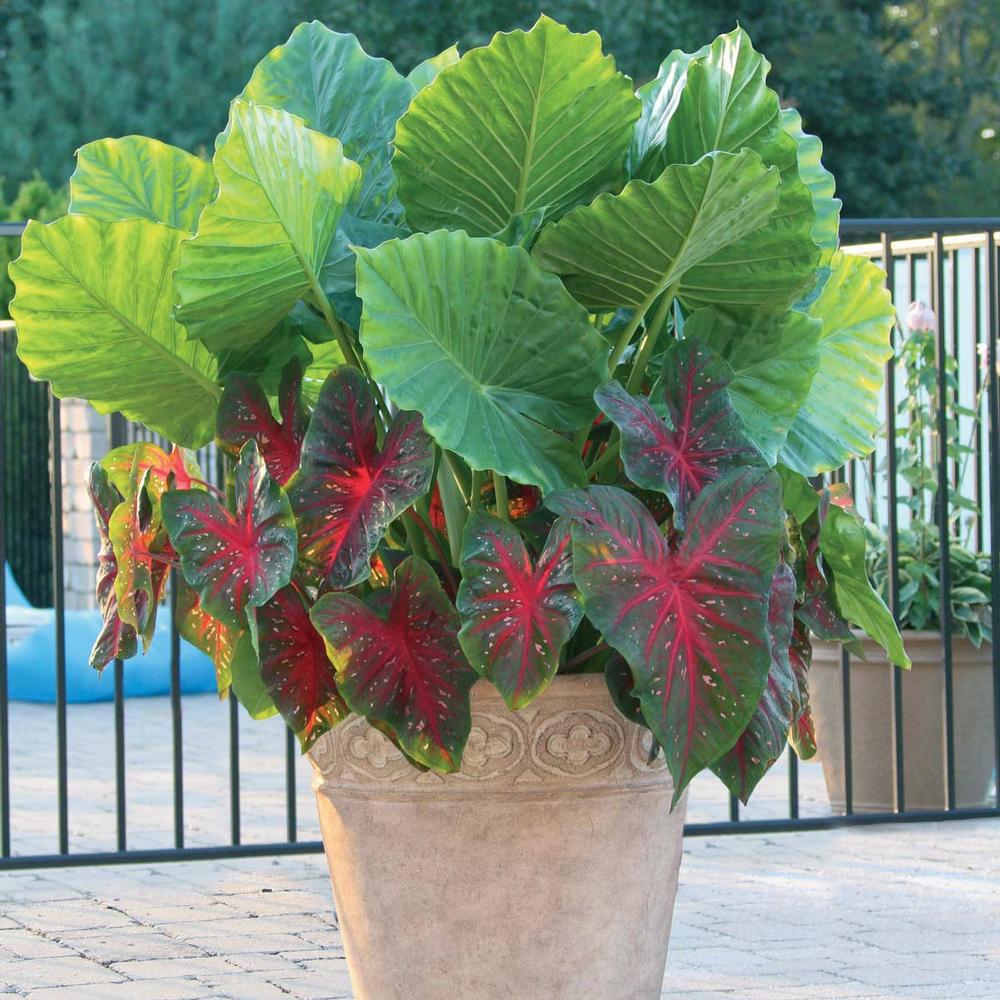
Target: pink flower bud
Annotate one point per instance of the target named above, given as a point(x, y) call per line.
point(920, 316)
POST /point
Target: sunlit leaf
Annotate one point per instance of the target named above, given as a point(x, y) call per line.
point(426, 72)
point(218, 641)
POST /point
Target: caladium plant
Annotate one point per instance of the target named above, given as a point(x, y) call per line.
point(519, 371)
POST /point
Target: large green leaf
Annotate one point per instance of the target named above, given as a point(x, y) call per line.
point(330, 82)
point(534, 120)
point(839, 418)
point(261, 243)
point(842, 542)
point(140, 178)
point(492, 351)
point(94, 317)
point(625, 249)
point(718, 99)
point(426, 72)
point(773, 358)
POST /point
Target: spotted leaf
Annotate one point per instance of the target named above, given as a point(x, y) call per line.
point(764, 739)
point(516, 616)
point(245, 415)
point(701, 438)
point(802, 735)
point(116, 638)
point(401, 665)
point(347, 491)
point(218, 641)
point(691, 620)
point(174, 469)
point(234, 561)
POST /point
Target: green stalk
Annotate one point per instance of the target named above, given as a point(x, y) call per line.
point(609, 455)
point(657, 325)
point(476, 499)
point(500, 490)
point(415, 540)
point(455, 510)
point(627, 334)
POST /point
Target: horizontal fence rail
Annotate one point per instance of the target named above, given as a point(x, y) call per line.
point(157, 781)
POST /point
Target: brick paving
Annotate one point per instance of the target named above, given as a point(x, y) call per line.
point(908, 912)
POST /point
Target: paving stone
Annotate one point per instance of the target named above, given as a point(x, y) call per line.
point(64, 972)
point(171, 968)
point(152, 989)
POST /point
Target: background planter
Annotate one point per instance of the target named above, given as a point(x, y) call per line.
point(873, 724)
point(545, 870)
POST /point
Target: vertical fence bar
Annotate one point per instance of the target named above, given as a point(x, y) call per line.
point(117, 433)
point(734, 809)
point(993, 437)
point(956, 461)
point(942, 513)
point(234, 769)
point(291, 807)
point(4, 708)
point(889, 264)
point(175, 713)
point(977, 340)
point(793, 784)
point(59, 610)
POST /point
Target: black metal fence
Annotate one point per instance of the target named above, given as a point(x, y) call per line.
point(950, 263)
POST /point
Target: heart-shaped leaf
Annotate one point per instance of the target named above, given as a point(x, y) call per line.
point(480, 319)
point(218, 641)
point(245, 415)
point(426, 72)
point(347, 491)
point(702, 437)
point(234, 561)
point(764, 739)
point(174, 469)
point(295, 669)
point(802, 735)
point(140, 178)
point(94, 317)
point(141, 550)
point(534, 120)
point(692, 623)
point(403, 667)
point(773, 358)
point(116, 638)
point(328, 81)
point(693, 229)
point(261, 243)
point(839, 418)
point(516, 617)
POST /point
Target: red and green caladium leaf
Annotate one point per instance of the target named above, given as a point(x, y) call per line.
point(702, 437)
point(802, 734)
point(764, 739)
point(116, 638)
point(174, 469)
point(295, 669)
point(245, 415)
point(690, 621)
point(219, 642)
point(234, 561)
point(347, 491)
point(516, 617)
point(399, 663)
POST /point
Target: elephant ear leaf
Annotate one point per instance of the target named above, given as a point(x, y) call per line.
point(766, 735)
point(688, 622)
point(426, 72)
point(296, 672)
point(261, 243)
point(348, 491)
point(140, 178)
point(839, 418)
point(445, 309)
point(234, 561)
point(702, 438)
point(245, 415)
point(94, 314)
point(516, 616)
point(537, 119)
point(218, 641)
point(403, 669)
point(116, 638)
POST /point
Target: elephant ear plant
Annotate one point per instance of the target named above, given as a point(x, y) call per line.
point(520, 371)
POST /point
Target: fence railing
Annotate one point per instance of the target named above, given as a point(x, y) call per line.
point(950, 263)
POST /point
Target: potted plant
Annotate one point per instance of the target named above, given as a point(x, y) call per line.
point(918, 555)
point(505, 356)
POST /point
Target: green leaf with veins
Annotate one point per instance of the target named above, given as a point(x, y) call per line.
point(261, 243)
point(537, 119)
point(426, 72)
point(491, 350)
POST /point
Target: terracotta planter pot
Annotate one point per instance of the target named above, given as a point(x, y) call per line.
point(873, 754)
point(546, 870)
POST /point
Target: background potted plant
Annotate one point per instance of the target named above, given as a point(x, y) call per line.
point(919, 614)
point(521, 374)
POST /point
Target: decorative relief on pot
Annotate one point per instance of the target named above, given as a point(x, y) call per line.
point(496, 745)
point(640, 747)
point(578, 742)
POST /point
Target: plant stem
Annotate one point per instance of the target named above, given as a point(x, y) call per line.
point(414, 539)
point(500, 492)
point(455, 510)
point(476, 499)
point(609, 454)
point(656, 326)
point(431, 536)
point(587, 654)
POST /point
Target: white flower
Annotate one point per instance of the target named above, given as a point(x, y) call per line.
point(920, 316)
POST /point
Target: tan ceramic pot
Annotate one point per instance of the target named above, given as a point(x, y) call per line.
point(545, 870)
point(873, 754)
